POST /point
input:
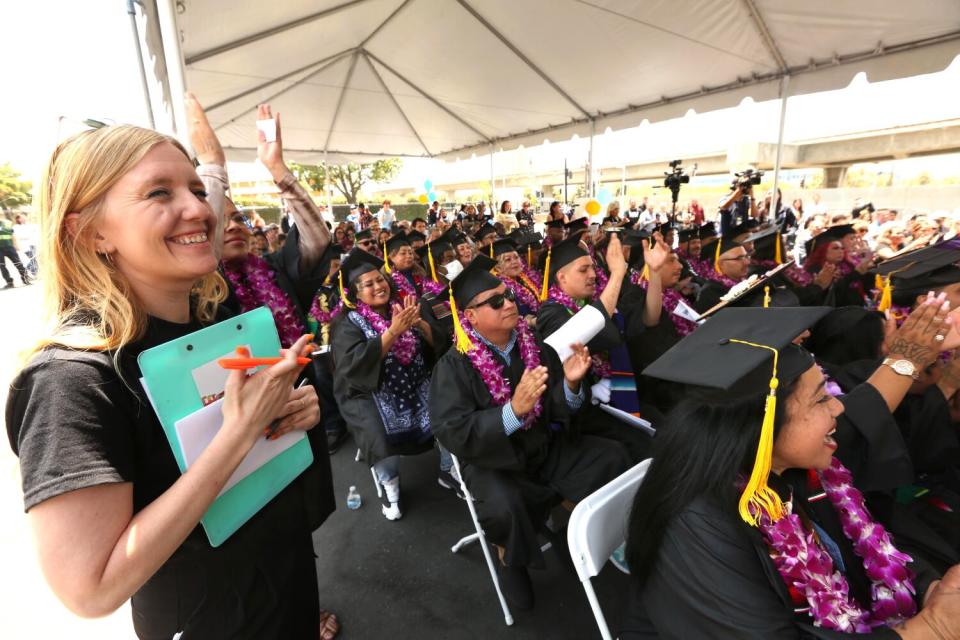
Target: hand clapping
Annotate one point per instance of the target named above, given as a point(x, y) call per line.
point(405, 315)
point(576, 366)
point(531, 386)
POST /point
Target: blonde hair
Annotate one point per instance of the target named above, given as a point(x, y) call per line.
point(88, 304)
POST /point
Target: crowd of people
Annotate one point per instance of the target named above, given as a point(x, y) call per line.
point(799, 370)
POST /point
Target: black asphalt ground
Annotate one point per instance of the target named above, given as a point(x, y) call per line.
point(400, 580)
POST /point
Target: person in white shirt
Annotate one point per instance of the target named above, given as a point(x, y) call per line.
point(386, 216)
point(27, 238)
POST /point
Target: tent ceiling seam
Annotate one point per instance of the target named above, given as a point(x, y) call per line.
point(266, 33)
point(426, 95)
point(764, 30)
point(343, 95)
point(390, 17)
point(334, 151)
point(271, 97)
point(264, 85)
point(527, 61)
point(396, 104)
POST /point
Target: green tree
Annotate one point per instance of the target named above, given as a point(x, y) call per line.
point(349, 178)
point(13, 191)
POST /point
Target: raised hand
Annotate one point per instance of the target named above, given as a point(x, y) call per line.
point(202, 137)
point(826, 276)
point(655, 252)
point(531, 386)
point(917, 338)
point(615, 260)
point(405, 315)
point(270, 153)
point(576, 366)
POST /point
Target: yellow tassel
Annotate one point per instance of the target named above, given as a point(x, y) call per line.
point(645, 273)
point(433, 269)
point(530, 255)
point(778, 252)
point(886, 295)
point(716, 258)
point(461, 340)
point(386, 259)
point(757, 496)
point(546, 276)
point(878, 281)
point(766, 297)
point(491, 249)
point(343, 294)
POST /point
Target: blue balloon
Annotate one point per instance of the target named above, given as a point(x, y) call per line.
point(432, 196)
point(604, 196)
point(428, 186)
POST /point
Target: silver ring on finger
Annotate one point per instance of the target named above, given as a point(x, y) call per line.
point(939, 338)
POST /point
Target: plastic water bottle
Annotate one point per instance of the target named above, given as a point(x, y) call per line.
point(353, 499)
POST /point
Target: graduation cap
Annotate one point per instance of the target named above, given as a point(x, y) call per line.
point(745, 293)
point(454, 237)
point(830, 234)
point(484, 231)
point(708, 230)
point(396, 242)
point(634, 240)
point(577, 225)
point(745, 227)
point(841, 323)
point(686, 234)
point(560, 255)
point(502, 246)
point(416, 236)
point(930, 268)
point(736, 355)
point(355, 264)
point(366, 234)
point(473, 280)
point(665, 228)
point(716, 247)
point(767, 241)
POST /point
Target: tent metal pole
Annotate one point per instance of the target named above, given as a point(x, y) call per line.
point(327, 184)
point(493, 181)
point(774, 200)
point(132, 12)
point(173, 56)
point(590, 181)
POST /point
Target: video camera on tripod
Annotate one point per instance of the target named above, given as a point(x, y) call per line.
point(746, 179)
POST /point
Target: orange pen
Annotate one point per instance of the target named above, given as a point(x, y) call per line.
point(245, 361)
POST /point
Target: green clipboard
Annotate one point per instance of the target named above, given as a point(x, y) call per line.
point(169, 374)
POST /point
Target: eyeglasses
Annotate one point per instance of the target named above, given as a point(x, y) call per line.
point(365, 243)
point(496, 300)
point(242, 219)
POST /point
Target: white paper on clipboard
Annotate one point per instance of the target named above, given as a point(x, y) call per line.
point(197, 430)
point(582, 327)
point(629, 418)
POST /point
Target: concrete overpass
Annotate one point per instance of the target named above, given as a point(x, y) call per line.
point(835, 155)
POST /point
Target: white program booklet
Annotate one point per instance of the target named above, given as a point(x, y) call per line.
point(582, 327)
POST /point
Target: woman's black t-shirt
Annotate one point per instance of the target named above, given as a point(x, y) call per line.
point(75, 422)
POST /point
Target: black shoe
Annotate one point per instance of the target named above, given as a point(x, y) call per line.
point(447, 481)
point(516, 586)
point(334, 440)
point(10, 285)
point(27, 281)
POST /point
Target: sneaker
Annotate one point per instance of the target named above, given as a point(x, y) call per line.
point(447, 480)
point(10, 285)
point(27, 281)
point(390, 499)
point(516, 586)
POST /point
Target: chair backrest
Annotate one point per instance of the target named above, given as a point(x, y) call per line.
point(598, 523)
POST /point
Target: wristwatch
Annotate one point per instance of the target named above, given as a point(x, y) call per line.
point(902, 367)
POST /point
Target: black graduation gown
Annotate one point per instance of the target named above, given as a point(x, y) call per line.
point(300, 287)
point(516, 479)
point(435, 310)
point(591, 420)
point(714, 577)
point(359, 372)
point(710, 295)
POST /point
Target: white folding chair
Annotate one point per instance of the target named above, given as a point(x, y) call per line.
point(482, 539)
point(597, 527)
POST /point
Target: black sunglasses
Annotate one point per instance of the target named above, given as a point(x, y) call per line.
point(496, 300)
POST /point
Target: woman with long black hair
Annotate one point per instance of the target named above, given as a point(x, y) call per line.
point(803, 557)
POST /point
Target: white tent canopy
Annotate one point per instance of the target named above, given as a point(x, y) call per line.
point(447, 78)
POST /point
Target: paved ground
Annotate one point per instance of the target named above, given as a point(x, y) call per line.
point(383, 579)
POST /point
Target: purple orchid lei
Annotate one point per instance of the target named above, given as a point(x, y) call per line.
point(491, 372)
point(534, 276)
point(255, 285)
point(671, 299)
point(323, 317)
point(523, 294)
point(404, 287)
point(600, 364)
point(807, 568)
point(404, 348)
point(602, 278)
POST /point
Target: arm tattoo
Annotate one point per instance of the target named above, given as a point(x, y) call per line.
point(915, 353)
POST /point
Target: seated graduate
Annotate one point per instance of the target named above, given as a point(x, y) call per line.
point(382, 361)
point(730, 263)
point(400, 263)
point(485, 237)
point(804, 557)
point(501, 402)
point(529, 247)
point(573, 284)
point(437, 257)
point(510, 270)
point(694, 254)
point(850, 283)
